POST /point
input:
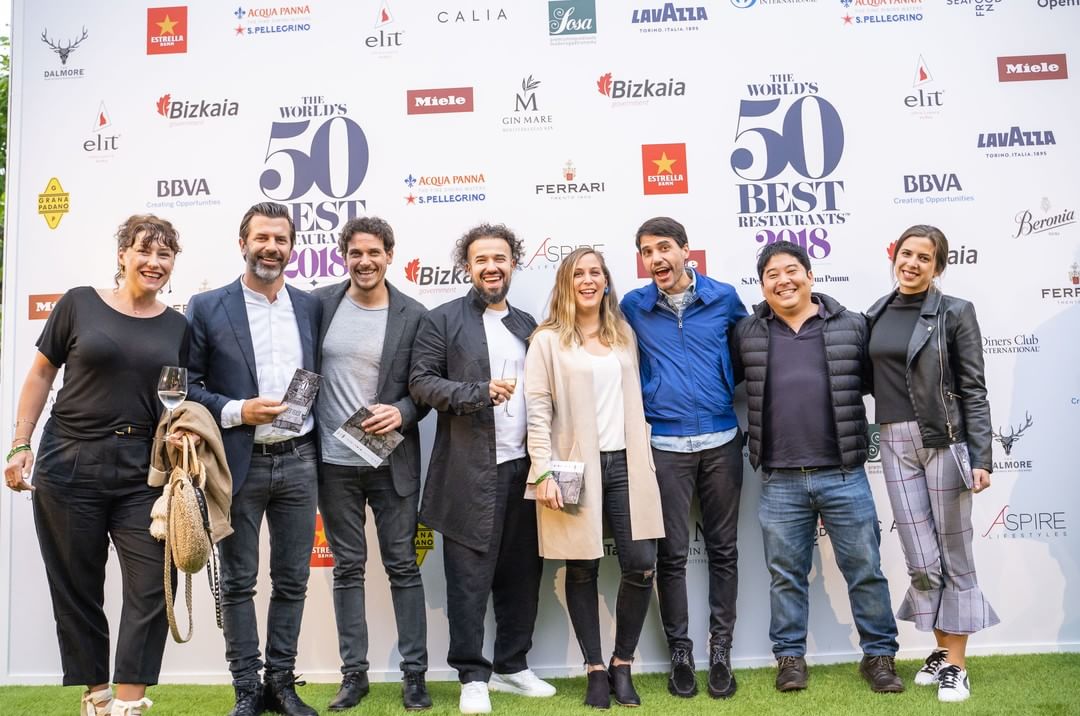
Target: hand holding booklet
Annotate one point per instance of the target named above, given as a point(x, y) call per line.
point(569, 475)
point(299, 400)
point(372, 449)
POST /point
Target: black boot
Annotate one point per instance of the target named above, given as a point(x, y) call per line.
point(280, 697)
point(622, 685)
point(414, 695)
point(354, 686)
point(598, 691)
point(248, 699)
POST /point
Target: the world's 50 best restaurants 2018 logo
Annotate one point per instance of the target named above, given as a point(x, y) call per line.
point(789, 141)
point(316, 161)
point(166, 30)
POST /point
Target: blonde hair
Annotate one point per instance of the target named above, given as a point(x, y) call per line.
point(562, 310)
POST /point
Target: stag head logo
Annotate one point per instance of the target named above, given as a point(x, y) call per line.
point(1007, 441)
point(62, 50)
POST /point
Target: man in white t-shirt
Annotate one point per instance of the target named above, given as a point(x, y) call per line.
point(468, 357)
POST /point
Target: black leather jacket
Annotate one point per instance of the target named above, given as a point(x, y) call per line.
point(945, 378)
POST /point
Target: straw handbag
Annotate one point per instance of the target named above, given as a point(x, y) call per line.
point(180, 518)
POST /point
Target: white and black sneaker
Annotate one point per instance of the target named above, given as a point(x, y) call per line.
point(953, 684)
point(928, 674)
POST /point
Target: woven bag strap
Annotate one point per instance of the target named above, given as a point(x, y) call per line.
point(169, 613)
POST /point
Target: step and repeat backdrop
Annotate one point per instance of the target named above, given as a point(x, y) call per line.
point(834, 124)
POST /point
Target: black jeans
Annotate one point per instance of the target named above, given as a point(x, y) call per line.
point(717, 475)
point(344, 493)
point(637, 560)
point(509, 570)
point(89, 491)
point(284, 488)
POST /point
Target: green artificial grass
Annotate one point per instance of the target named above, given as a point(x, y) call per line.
point(1026, 685)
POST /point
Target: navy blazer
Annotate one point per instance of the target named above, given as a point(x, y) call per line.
point(221, 362)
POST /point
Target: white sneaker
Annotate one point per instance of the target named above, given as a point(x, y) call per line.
point(523, 683)
point(474, 698)
point(130, 708)
point(928, 674)
point(953, 684)
point(97, 703)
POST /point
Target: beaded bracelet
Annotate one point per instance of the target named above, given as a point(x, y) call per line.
point(15, 450)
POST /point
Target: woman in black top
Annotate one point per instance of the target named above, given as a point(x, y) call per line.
point(930, 394)
point(90, 477)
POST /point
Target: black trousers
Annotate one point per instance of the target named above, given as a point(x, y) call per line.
point(637, 559)
point(716, 475)
point(88, 492)
point(509, 570)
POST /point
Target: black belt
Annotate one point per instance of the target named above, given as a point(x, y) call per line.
point(132, 431)
point(284, 446)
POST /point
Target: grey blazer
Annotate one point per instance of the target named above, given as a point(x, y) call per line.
point(402, 321)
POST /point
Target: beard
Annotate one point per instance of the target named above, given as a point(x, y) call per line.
point(264, 273)
point(493, 296)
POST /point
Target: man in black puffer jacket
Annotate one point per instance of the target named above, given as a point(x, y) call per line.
point(804, 359)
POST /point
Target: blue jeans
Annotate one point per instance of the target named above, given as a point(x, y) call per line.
point(284, 488)
point(791, 503)
point(344, 493)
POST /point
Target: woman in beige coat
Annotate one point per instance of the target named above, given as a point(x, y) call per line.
point(583, 396)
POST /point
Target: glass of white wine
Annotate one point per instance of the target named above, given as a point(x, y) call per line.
point(509, 374)
point(172, 389)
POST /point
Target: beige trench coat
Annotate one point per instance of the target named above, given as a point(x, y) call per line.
point(562, 426)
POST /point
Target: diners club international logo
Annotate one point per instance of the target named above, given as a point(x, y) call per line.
point(791, 189)
point(316, 161)
point(663, 169)
point(166, 30)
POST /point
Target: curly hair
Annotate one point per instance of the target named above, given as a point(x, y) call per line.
point(373, 225)
point(487, 231)
point(146, 229)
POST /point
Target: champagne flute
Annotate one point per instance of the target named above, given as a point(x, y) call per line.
point(172, 389)
point(509, 374)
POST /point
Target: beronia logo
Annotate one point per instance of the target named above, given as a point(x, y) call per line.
point(198, 109)
point(439, 101)
point(639, 89)
point(166, 30)
point(1022, 68)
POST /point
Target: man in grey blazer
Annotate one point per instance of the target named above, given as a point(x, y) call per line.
point(247, 340)
point(365, 350)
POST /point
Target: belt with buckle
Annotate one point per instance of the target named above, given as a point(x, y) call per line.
point(280, 448)
point(132, 431)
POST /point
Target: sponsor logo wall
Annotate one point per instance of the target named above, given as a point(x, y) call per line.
point(573, 121)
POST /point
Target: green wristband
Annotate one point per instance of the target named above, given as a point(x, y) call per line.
point(15, 450)
point(540, 479)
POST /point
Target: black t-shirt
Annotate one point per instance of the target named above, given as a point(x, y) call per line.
point(111, 361)
point(888, 351)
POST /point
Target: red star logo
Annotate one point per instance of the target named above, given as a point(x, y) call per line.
point(847, 19)
point(239, 29)
point(410, 199)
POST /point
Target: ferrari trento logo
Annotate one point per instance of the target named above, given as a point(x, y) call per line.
point(53, 203)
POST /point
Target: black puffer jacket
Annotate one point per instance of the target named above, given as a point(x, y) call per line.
point(945, 378)
point(848, 363)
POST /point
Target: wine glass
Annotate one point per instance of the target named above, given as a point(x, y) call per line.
point(172, 389)
point(509, 374)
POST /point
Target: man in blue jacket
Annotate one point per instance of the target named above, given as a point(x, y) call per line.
point(683, 320)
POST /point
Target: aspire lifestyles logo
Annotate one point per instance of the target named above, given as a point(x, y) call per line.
point(1010, 523)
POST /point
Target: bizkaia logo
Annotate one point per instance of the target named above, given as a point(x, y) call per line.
point(962, 256)
point(1016, 142)
point(1068, 292)
point(869, 12)
point(551, 253)
point(1009, 523)
point(571, 22)
point(316, 161)
point(1027, 223)
point(63, 47)
point(924, 102)
point(42, 304)
point(102, 144)
point(663, 169)
point(669, 18)
point(436, 279)
point(1025, 68)
point(53, 203)
point(1008, 441)
point(430, 189)
point(166, 30)
point(195, 110)
point(272, 20)
point(790, 191)
point(384, 41)
point(439, 101)
point(981, 8)
point(639, 89)
point(527, 116)
point(695, 261)
point(569, 188)
point(1019, 343)
point(932, 189)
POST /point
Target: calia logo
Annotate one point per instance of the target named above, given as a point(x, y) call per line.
point(166, 30)
point(1024, 68)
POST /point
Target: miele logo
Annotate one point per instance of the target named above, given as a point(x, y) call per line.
point(1024, 68)
point(42, 304)
point(437, 101)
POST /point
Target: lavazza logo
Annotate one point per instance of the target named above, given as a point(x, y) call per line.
point(445, 189)
point(528, 116)
point(569, 188)
point(669, 18)
point(791, 190)
point(551, 253)
point(641, 90)
point(192, 111)
point(1010, 523)
point(924, 102)
point(64, 46)
point(1067, 292)
point(439, 101)
point(881, 11)
point(932, 189)
point(571, 22)
point(1026, 68)
point(1008, 442)
point(1016, 142)
point(1049, 222)
point(272, 20)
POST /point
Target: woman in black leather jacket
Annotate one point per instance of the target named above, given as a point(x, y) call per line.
point(930, 395)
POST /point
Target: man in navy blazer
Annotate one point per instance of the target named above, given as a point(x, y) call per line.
point(247, 340)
